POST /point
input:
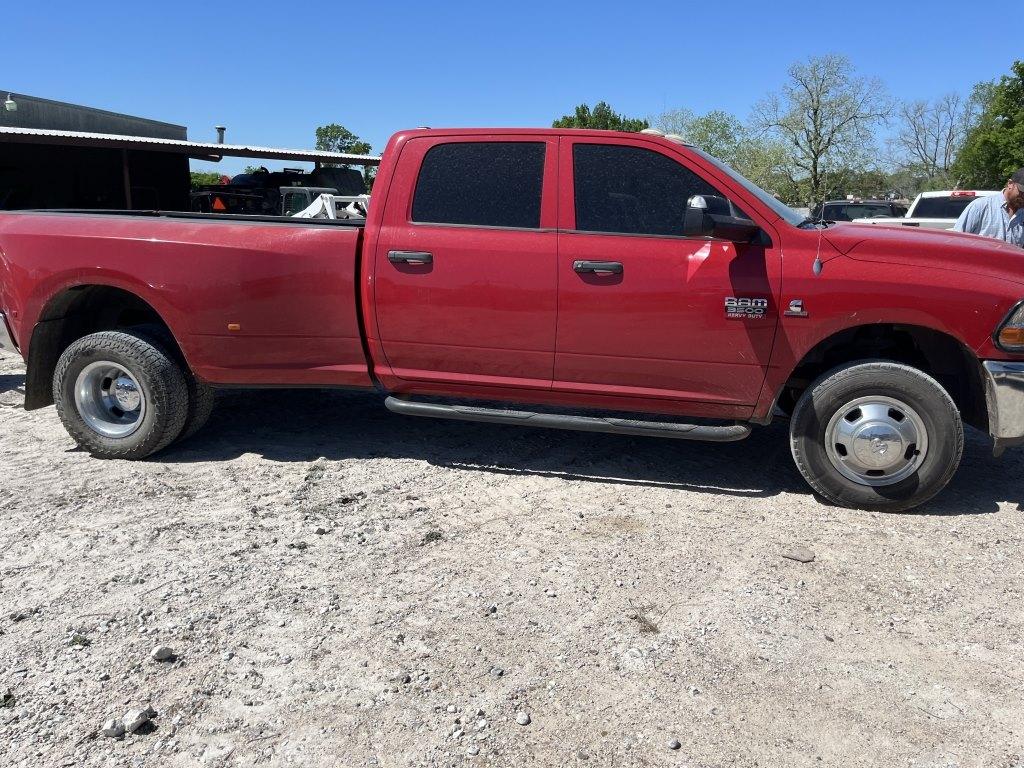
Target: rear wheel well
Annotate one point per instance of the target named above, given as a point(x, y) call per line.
point(78, 312)
point(939, 355)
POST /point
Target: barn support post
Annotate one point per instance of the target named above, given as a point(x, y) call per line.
point(127, 180)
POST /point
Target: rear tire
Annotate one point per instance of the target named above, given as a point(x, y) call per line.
point(119, 395)
point(876, 435)
point(202, 398)
point(201, 401)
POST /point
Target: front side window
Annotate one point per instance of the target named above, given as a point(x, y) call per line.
point(631, 190)
point(488, 184)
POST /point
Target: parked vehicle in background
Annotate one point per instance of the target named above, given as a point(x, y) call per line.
point(602, 281)
point(932, 210)
point(328, 206)
point(276, 193)
point(848, 210)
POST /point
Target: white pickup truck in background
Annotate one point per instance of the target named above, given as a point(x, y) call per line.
point(932, 210)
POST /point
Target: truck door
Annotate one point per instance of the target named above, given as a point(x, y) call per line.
point(464, 274)
point(645, 312)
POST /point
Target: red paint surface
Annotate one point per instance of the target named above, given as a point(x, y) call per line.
point(501, 314)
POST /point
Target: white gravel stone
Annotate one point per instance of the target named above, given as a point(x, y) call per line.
point(162, 653)
point(135, 719)
point(523, 718)
point(113, 728)
point(799, 553)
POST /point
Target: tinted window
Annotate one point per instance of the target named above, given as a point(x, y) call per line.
point(868, 211)
point(941, 207)
point(495, 184)
point(294, 202)
point(632, 190)
point(850, 211)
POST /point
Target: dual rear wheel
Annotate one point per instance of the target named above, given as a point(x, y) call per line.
point(126, 395)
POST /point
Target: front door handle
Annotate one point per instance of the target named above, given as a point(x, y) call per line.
point(410, 257)
point(598, 267)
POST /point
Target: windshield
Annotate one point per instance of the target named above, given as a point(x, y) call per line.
point(771, 201)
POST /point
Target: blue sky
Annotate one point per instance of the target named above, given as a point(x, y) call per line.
point(272, 72)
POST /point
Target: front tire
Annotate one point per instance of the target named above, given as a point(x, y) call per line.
point(119, 395)
point(876, 435)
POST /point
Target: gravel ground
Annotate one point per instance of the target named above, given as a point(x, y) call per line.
point(341, 586)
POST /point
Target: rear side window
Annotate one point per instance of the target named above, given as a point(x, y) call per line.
point(489, 184)
point(631, 190)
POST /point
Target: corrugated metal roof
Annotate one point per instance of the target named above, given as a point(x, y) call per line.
point(50, 115)
point(190, 148)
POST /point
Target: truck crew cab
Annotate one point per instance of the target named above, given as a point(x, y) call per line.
point(596, 280)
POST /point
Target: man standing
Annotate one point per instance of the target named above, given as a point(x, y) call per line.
point(998, 216)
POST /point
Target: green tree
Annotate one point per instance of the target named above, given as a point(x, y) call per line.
point(203, 179)
point(826, 117)
point(722, 135)
point(337, 138)
point(994, 147)
point(768, 164)
point(859, 182)
point(601, 117)
point(718, 133)
point(931, 133)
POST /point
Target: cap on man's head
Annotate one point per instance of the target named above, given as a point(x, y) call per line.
point(1018, 176)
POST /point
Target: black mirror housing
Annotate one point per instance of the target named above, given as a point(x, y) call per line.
point(699, 221)
point(734, 228)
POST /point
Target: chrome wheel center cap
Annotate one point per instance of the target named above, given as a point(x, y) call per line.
point(876, 440)
point(109, 399)
point(126, 393)
point(878, 446)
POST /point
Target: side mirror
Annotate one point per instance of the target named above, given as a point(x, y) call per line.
point(697, 222)
point(700, 221)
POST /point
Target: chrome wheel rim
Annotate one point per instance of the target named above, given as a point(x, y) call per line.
point(876, 440)
point(109, 399)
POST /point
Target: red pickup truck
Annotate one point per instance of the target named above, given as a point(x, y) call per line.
point(600, 281)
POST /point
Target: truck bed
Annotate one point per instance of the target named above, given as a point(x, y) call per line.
point(253, 300)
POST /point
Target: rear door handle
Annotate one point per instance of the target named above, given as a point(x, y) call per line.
point(598, 267)
point(410, 257)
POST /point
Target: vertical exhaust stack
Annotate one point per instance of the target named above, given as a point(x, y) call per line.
point(220, 133)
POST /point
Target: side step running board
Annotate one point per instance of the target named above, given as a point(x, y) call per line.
point(719, 434)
